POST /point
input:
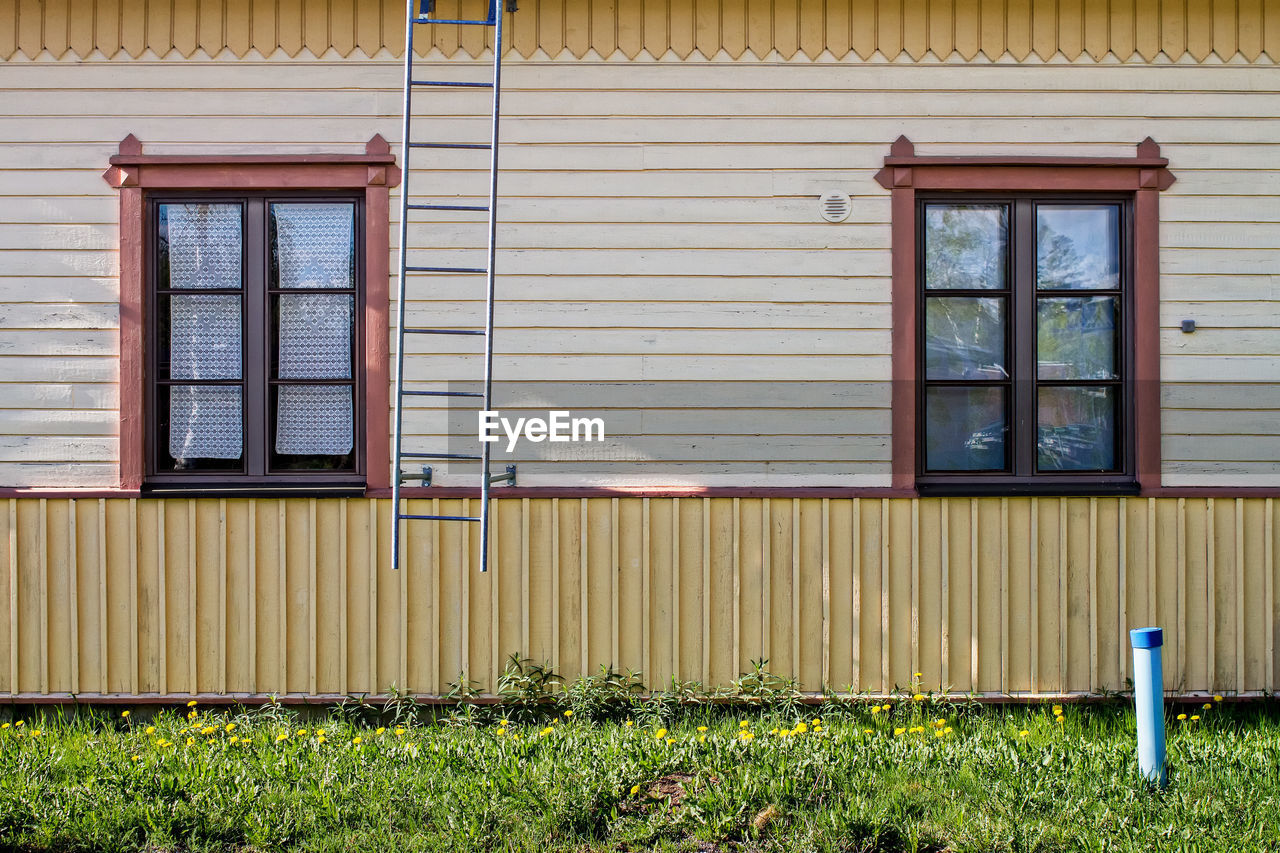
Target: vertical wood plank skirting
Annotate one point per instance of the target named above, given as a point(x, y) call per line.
point(656, 27)
point(797, 588)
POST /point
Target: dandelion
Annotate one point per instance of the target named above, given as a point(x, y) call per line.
point(940, 722)
point(1060, 718)
point(568, 713)
point(746, 736)
point(817, 721)
point(150, 730)
point(1057, 709)
point(635, 789)
point(899, 730)
point(319, 732)
point(302, 732)
point(702, 728)
point(887, 706)
point(133, 758)
point(234, 740)
point(702, 738)
point(400, 731)
point(357, 740)
point(868, 731)
point(947, 730)
point(801, 728)
point(501, 731)
point(191, 716)
point(230, 727)
point(380, 730)
point(5, 726)
point(1217, 698)
point(670, 741)
point(939, 733)
point(208, 730)
point(281, 737)
point(19, 724)
point(190, 741)
point(35, 733)
point(1206, 706)
point(628, 723)
point(817, 729)
point(125, 714)
point(1195, 717)
point(192, 703)
point(659, 734)
point(1023, 733)
point(1182, 716)
point(548, 730)
point(743, 724)
point(919, 697)
point(321, 739)
point(875, 709)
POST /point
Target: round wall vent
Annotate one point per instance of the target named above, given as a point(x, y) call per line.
point(836, 206)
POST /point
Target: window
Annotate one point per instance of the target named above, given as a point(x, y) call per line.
point(252, 366)
point(1023, 314)
point(254, 319)
point(1025, 322)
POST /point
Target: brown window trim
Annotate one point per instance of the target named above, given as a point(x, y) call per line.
point(134, 174)
point(1144, 176)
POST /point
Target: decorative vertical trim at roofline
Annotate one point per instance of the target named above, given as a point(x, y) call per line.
point(1145, 175)
point(132, 172)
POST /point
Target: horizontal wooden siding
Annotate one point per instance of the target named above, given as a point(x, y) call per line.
point(997, 596)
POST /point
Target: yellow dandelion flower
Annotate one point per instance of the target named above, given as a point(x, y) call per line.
point(150, 730)
point(400, 731)
point(1060, 718)
point(501, 731)
point(939, 733)
point(899, 730)
point(230, 727)
point(919, 674)
point(947, 730)
point(190, 741)
point(208, 730)
point(801, 728)
point(133, 758)
point(1023, 733)
point(702, 738)
point(192, 703)
point(1057, 709)
point(302, 732)
point(4, 726)
point(35, 733)
point(817, 728)
point(319, 732)
point(702, 728)
point(670, 741)
point(1206, 706)
point(659, 734)
point(875, 709)
point(380, 730)
point(1217, 698)
point(357, 740)
point(234, 740)
point(887, 706)
point(629, 724)
point(125, 714)
point(940, 722)
point(321, 739)
point(746, 735)
point(281, 737)
point(1195, 717)
point(817, 721)
point(568, 713)
point(635, 789)
point(19, 724)
point(548, 730)
point(191, 716)
point(743, 724)
point(919, 697)
point(1182, 716)
point(868, 731)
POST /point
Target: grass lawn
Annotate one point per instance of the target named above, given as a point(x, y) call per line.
point(921, 774)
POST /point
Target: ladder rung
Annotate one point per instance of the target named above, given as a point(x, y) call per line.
point(438, 517)
point(467, 456)
point(468, 270)
point(423, 19)
point(442, 332)
point(442, 393)
point(463, 84)
point(470, 146)
point(477, 207)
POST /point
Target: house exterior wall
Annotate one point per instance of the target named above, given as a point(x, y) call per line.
point(1022, 596)
point(664, 266)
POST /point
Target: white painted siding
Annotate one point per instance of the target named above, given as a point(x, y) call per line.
point(663, 261)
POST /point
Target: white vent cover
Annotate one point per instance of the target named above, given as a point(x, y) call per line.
point(835, 206)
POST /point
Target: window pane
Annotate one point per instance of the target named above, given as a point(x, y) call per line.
point(313, 245)
point(200, 246)
point(314, 420)
point(1077, 429)
point(204, 337)
point(964, 337)
point(1078, 247)
point(205, 422)
point(1076, 337)
point(965, 429)
point(316, 330)
point(965, 246)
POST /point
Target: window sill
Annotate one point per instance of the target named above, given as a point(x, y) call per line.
point(1056, 487)
point(246, 490)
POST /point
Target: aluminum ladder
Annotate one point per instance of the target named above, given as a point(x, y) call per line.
point(418, 13)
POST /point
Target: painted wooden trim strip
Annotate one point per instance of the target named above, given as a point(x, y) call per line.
point(737, 584)
point(134, 674)
point(584, 597)
point(913, 593)
point(973, 594)
point(251, 595)
point(313, 648)
point(1122, 589)
point(944, 546)
point(675, 589)
point(465, 541)
point(855, 603)
point(826, 594)
point(1269, 594)
point(222, 596)
point(344, 565)
point(1034, 583)
point(555, 583)
point(884, 596)
point(766, 579)
point(795, 586)
point(104, 664)
point(374, 684)
point(282, 590)
point(526, 595)
point(1239, 594)
point(495, 611)
point(705, 640)
point(1093, 594)
point(436, 655)
point(192, 611)
point(1004, 595)
point(1211, 584)
point(1180, 614)
point(14, 687)
point(73, 598)
point(646, 568)
point(43, 595)
point(1064, 592)
point(162, 630)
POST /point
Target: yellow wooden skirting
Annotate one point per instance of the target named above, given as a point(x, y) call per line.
point(739, 29)
point(1017, 596)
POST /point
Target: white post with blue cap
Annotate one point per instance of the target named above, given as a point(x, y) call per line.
point(1148, 697)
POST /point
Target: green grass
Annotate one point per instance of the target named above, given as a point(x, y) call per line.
point(273, 782)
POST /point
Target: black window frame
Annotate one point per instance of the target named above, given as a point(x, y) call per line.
point(1020, 475)
point(258, 335)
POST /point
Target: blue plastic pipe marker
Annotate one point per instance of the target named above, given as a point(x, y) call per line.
point(1148, 696)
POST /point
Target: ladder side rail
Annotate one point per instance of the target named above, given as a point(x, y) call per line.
point(496, 11)
point(401, 289)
